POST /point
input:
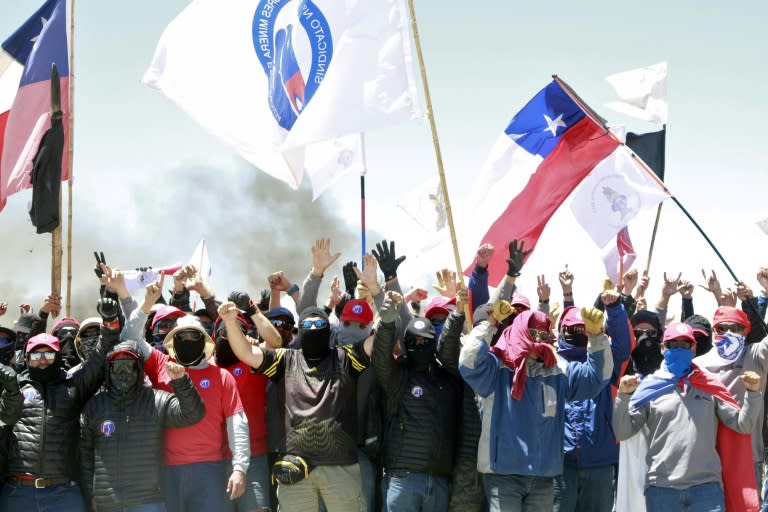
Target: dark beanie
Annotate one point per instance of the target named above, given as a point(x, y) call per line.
point(647, 317)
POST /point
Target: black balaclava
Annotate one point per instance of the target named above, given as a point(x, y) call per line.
point(189, 352)
point(66, 335)
point(646, 357)
point(315, 343)
point(47, 374)
point(703, 342)
point(225, 357)
point(420, 345)
point(123, 377)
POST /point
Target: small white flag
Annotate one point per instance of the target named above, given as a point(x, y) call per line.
point(426, 206)
point(643, 93)
point(327, 161)
point(763, 224)
point(200, 260)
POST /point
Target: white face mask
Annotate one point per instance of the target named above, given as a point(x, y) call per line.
point(352, 333)
point(729, 346)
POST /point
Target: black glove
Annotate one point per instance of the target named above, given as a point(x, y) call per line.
point(108, 309)
point(388, 262)
point(8, 377)
point(350, 278)
point(243, 302)
point(516, 258)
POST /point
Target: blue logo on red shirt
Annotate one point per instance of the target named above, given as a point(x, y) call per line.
point(237, 372)
point(205, 383)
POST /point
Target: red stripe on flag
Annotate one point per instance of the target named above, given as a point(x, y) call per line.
point(580, 149)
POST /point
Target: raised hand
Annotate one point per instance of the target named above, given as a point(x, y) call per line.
point(228, 311)
point(727, 298)
point(566, 279)
point(446, 283)
point(175, 371)
point(51, 305)
point(194, 282)
point(609, 297)
point(762, 278)
point(322, 257)
point(3, 308)
point(350, 278)
point(593, 320)
point(152, 293)
point(670, 285)
point(108, 309)
point(685, 288)
point(516, 258)
point(743, 292)
point(416, 295)
point(387, 259)
point(644, 282)
point(462, 299)
point(243, 301)
point(368, 275)
point(712, 284)
point(484, 255)
point(629, 384)
point(629, 281)
point(542, 288)
point(334, 297)
point(388, 311)
point(751, 380)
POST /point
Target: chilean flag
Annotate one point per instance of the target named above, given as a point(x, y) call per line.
point(25, 93)
point(547, 149)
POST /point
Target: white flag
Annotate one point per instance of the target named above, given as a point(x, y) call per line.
point(269, 77)
point(426, 206)
point(200, 260)
point(613, 194)
point(643, 93)
point(327, 161)
point(763, 224)
point(141, 277)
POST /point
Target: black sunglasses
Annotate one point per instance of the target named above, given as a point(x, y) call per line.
point(648, 332)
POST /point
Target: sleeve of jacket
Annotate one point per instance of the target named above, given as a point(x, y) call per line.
point(762, 304)
point(478, 367)
point(87, 458)
point(135, 319)
point(687, 308)
point(39, 324)
point(212, 307)
point(450, 342)
point(11, 404)
point(90, 376)
point(404, 314)
point(184, 407)
point(309, 290)
point(621, 341)
point(758, 332)
point(390, 375)
point(627, 422)
point(586, 379)
point(181, 301)
point(478, 285)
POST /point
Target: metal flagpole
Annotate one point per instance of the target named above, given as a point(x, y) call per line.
point(362, 199)
point(70, 151)
point(436, 143)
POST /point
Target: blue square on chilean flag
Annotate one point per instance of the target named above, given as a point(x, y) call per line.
point(539, 126)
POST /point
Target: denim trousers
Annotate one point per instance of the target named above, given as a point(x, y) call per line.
point(57, 498)
point(518, 493)
point(585, 489)
point(404, 491)
point(699, 498)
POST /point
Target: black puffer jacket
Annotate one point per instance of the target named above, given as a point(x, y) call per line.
point(43, 439)
point(121, 444)
point(421, 410)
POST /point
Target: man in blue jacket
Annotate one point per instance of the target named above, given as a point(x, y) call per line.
point(591, 449)
point(524, 385)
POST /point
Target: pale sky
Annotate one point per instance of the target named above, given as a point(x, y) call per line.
point(484, 62)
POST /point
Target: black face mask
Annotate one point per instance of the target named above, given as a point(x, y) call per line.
point(189, 352)
point(225, 357)
point(315, 343)
point(6, 354)
point(647, 355)
point(21, 340)
point(123, 378)
point(419, 353)
point(88, 345)
point(47, 374)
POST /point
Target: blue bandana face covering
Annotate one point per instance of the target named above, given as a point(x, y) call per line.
point(678, 361)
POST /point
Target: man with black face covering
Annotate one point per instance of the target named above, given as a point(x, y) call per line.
point(66, 331)
point(198, 458)
point(7, 345)
point(316, 386)
point(422, 408)
point(41, 470)
point(646, 356)
point(121, 433)
point(591, 452)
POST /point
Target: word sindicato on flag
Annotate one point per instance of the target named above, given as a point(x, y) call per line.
point(270, 78)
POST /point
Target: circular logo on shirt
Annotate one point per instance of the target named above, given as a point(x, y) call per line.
point(417, 391)
point(205, 383)
point(357, 309)
point(108, 428)
point(419, 324)
point(29, 395)
point(294, 45)
point(237, 372)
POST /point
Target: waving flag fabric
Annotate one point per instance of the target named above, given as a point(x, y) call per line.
point(545, 152)
point(25, 93)
point(270, 77)
point(642, 93)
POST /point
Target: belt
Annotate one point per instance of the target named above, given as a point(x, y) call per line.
point(38, 483)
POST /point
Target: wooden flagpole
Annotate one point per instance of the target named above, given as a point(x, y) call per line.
point(436, 142)
point(70, 151)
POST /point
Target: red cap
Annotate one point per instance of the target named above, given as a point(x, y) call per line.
point(167, 313)
point(571, 316)
point(65, 321)
point(357, 310)
point(518, 299)
point(122, 352)
point(439, 306)
point(679, 331)
point(730, 315)
point(43, 340)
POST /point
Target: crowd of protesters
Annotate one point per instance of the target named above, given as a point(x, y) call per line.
point(380, 400)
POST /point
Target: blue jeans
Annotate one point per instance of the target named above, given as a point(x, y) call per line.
point(368, 476)
point(699, 498)
point(518, 493)
point(414, 492)
point(257, 482)
point(58, 498)
point(198, 486)
point(584, 489)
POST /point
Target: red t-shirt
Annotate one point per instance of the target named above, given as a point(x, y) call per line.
point(206, 440)
point(253, 393)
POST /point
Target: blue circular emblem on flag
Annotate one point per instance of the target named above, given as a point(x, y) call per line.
point(282, 33)
point(108, 428)
point(205, 383)
point(237, 372)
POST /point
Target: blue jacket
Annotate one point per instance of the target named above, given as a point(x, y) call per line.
point(589, 437)
point(525, 437)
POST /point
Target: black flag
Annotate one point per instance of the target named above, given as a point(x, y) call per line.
point(650, 147)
